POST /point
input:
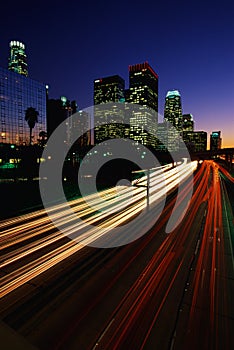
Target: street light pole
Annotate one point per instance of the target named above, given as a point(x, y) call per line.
point(147, 189)
point(147, 186)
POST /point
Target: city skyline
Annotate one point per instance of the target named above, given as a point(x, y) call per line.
point(189, 48)
point(117, 175)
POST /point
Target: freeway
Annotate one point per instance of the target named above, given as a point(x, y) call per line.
point(166, 291)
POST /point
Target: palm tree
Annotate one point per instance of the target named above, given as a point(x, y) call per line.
point(31, 116)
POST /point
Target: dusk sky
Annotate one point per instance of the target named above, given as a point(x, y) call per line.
point(190, 44)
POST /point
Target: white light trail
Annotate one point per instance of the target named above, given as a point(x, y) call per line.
point(109, 214)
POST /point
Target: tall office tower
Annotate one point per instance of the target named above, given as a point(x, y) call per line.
point(18, 59)
point(108, 119)
point(187, 122)
point(143, 85)
point(187, 131)
point(173, 109)
point(162, 135)
point(215, 140)
point(195, 141)
point(82, 123)
point(173, 114)
point(143, 90)
point(167, 137)
point(109, 89)
point(17, 94)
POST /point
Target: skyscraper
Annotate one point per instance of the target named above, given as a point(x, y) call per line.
point(162, 134)
point(168, 137)
point(17, 94)
point(18, 59)
point(107, 90)
point(195, 141)
point(143, 86)
point(173, 115)
point(187, 131)
point(187, 122)
point(215, 140)
point(143, 90)
point(173, 109)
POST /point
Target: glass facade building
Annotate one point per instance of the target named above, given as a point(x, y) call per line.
point(17, 93)
point(18, 59)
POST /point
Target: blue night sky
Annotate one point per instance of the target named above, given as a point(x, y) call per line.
point(190, 44)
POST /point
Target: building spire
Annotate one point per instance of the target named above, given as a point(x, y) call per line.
point(18, 59)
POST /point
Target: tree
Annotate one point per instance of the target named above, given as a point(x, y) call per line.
point(31, 117)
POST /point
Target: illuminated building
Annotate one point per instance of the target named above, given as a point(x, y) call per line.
point(143, 126)
point(173, 109)
point(173, 114)
point(215, 140)
point(187, 131)
point(143, 90)
point(195, 141)
point(187, 122)
point(167, 137)
point(18, 59)
point(162, 135)
point(83, 124)
point(78, 137)
point(143, 86)
point(109, 89)
point(106, 91)
point(59, 111)
point(17, 94)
